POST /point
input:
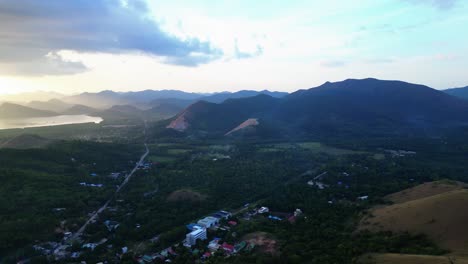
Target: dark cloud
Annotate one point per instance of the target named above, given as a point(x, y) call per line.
point(439, 4)
point(32, 29)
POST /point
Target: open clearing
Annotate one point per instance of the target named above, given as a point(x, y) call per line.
point(411, 259)
point(264, 242)
point(315, 147)
point(186, 195)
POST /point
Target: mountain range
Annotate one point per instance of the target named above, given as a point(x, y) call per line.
point(148, 104)
point(361, 107)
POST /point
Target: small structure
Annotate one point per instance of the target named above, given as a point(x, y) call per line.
point(232, 223)
point(224, 214)
point(363, 198)
point(91, 246)
point(272, 217)
point(192, 237)
point(111, 225)
point(228, 248)
point(206, 255)
point(214, 245)
point(240, 246)
point(298, 212)
point(263, 210)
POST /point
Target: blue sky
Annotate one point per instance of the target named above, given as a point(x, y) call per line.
point(92, 45)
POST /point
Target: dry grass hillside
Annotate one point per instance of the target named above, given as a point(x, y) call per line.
point(411, 259)
point(439, 210)
point(425, 190)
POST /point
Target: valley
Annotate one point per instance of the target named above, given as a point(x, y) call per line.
point(362, 193)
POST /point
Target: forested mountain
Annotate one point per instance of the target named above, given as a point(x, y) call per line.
point(351, 106)
point(458, 92)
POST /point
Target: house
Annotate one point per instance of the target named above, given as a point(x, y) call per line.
point(91, 246)
point(232, 223)
point(206, 255)
point(111, 225)
point(75, 254)
point(93, 174)
point(147, 259)
point(298, 212)
point(208, 222)
point(114, 175)
point(272, 217)
point(192, 237)
point(228, 248)
point(363, 198)
point(263, 210)
point(240, 246)
point(214, 244)
point(224, 214)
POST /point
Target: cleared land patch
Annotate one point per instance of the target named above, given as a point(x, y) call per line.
point(186, 195)
point(263, 241)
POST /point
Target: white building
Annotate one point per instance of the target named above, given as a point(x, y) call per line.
point(192, 237)
point(263, 210)
point(208, 222)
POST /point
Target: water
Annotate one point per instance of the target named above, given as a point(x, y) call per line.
point(48, 121)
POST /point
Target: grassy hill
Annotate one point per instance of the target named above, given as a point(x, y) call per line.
point(411, 259)
point(437, 210)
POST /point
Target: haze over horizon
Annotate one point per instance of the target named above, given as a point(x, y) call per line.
point(94, 45)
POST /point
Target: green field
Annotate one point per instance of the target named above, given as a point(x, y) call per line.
point(314, 147)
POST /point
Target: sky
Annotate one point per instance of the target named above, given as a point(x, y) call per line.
point(228, 45)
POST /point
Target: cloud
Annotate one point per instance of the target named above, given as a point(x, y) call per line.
point(378, 61)
point(33, 32)
point(439, 4)
point(333, 63)
point(246, 55)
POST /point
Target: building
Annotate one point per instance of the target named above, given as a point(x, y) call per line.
point(263, 210)
point(225, 214)
point(192, 237)
point(208, 222)
point(228, 248)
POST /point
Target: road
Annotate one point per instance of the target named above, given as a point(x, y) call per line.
point(62, 247)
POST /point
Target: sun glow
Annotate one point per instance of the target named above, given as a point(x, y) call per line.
point(14, 85)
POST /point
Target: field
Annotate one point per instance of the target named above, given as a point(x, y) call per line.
point(313, 147)
point(411, 259)
point(437, 210)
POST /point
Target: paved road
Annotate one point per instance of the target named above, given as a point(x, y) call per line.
point(104, 207)
point(93, 217)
